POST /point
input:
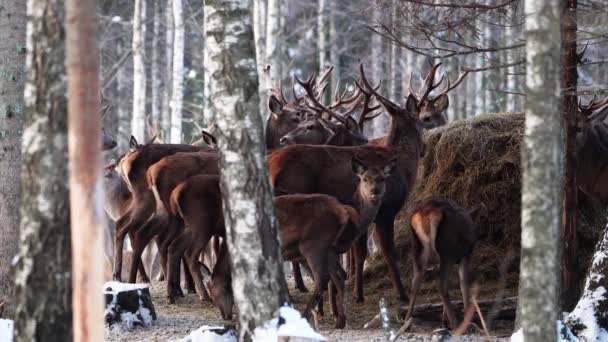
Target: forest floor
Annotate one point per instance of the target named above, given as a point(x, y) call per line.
point(178, 320)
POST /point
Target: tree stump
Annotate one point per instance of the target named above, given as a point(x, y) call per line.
point(6, 330)
point(129, 305)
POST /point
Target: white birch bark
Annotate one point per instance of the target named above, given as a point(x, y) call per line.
point(169, 32)
point(322, 15)
point(138, 121)
point(396, 54)
point(252, 234)
point(259, 32)
point(542, 163)
point(492, 76)
point(379, 124)
point(43, 270)
point(273, 52)
point(123, 104)
point(12, 50)
point(334, 41)
point(177, 90)
point(157, 63)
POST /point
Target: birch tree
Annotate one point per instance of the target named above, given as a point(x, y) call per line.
point(273, 52)
point(157, 63)
point(177, 90)
point(86, 185)
point(43, 278)
point(380, 123)
point(322, 19)
point(252, 235)
point(138, 122)
point(12, 49)
point(259, 32)
point(169, 32)
point(542, 163)
point(334, 52)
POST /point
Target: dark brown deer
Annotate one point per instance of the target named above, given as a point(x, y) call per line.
point(432, 109)
point(133, 167)
point(442, 231)
point(592, 149)
point(315, 228)
point(327, 170)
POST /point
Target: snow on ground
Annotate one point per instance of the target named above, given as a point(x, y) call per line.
point(177, 321)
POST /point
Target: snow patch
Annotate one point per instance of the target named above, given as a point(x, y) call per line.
point(585, 314)
point(290, 323)
point(211, 334)
point(6, 330)
point(116, 19)
point(115, 287)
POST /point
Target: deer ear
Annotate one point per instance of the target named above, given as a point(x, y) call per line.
point(358, 167)
point(133, 144)
point(351, 124)
point(209, 139)
point(390, 166)
point(441, 103)
point(275, 105)
point(411, 105)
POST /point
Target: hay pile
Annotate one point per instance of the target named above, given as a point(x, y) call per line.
point(476, 162)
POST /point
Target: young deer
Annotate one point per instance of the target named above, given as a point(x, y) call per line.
point(442, 231)
point(313, 227)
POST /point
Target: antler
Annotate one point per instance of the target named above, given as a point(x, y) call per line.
point(308, 86)
point(449, 87)
point(428, 85)
point(385, 101)
point(593, 105)
point(367, 99)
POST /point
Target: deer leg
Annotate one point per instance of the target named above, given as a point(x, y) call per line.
point(443, 286)
point(173, 229)
point(297, 277)
point(318, 267)
point(337, 280)
point(190, 287)
point(464, 274)
point(160, 238)
point(384, 233)
point(200, 242)
point(360, 253)
point(140, 240)
point(175, 252)
point(419, 267)
point(131, 220)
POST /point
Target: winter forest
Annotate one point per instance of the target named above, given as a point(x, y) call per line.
point(290, 170)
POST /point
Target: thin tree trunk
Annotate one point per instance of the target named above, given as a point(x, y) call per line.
point(86, 185)
point(169, 32)
point(123, 104)
point(259, 30)
point(252, 230)
point(542, 164)
point(273, 52)
point(380, 123)
point(177, 90)
point(12, 50)
point(334, 40)
point(138, 123)
point(322, 16)
point(43, 277)
point(395, 72)
point(570, 271)
point(157, 64)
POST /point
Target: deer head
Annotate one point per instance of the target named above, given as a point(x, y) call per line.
point(432, 109)
point(372, 179)
point(220, 283)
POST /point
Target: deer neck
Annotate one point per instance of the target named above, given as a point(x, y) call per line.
point(404, 135)
point(367, 210)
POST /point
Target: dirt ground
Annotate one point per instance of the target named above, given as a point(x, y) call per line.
point(176, 321)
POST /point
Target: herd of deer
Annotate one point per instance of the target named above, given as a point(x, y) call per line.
point(330, 184)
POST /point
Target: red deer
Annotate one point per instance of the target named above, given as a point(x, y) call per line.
point(133, 167)
point(326, 169)
point(313, 227)
point(592, 147)
point(442, 231)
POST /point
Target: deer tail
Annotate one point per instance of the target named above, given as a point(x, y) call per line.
point(425, 224)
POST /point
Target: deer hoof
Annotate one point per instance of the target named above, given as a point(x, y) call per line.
point(340, 323)
point(116, 277)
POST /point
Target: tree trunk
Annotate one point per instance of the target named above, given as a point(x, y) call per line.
point(123, 102)
point(492, 77)
point(43, 280)
point(334, 41)
point(12, 50)
point(259, 32)
point(177, 90)
point(157, 65)
point(570, 271)
point(542, 168)
point(86, 181)
point(138, 123)
point(169, 32)
point(395, 92)
point(273, 52)
point(252, 230)
point(322, 16)
point(380, 123)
